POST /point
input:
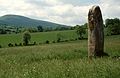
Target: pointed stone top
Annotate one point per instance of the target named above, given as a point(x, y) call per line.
point(95, 12)
point(94, 7)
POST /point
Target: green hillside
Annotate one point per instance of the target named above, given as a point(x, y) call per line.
point(17, 20)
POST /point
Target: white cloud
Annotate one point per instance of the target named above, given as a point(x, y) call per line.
point(14, 7)
point(110, 8)
point(67, 12)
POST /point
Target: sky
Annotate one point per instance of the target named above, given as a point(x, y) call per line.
point(67, 12)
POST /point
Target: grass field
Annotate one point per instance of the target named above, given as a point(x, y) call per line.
point(59, 60)
point(40, 37)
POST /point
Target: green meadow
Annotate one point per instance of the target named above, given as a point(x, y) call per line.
point(57, 60)
point(39, 37)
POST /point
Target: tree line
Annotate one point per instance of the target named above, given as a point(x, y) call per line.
point(13, 29)
point(112, 26)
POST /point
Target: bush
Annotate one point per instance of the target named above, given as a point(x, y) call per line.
point(58, 40)
point(26, 38)
point(60, 37)
point(10, 45)
point(66, 40)
point(40, 43)
point(72, 40)
point(20, 44)
point(80, 38)
point(0, 46)
point(47, 42)
point(16, 44)
point(53, 41)
point(34, 43)
point(76, 39)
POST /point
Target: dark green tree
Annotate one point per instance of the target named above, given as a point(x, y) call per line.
point(80, 30)
point(40, 29)
point(59, 37)
point(112, 26)
point(26, 38)
point(2, 31)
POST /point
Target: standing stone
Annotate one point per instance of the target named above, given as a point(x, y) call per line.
point(95, 32)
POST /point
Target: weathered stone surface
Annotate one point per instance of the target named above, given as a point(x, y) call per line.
point(95, 32)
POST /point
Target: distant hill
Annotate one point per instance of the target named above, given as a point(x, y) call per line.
point(17, 20)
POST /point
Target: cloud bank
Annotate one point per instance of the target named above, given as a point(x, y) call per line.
point(68, 12)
